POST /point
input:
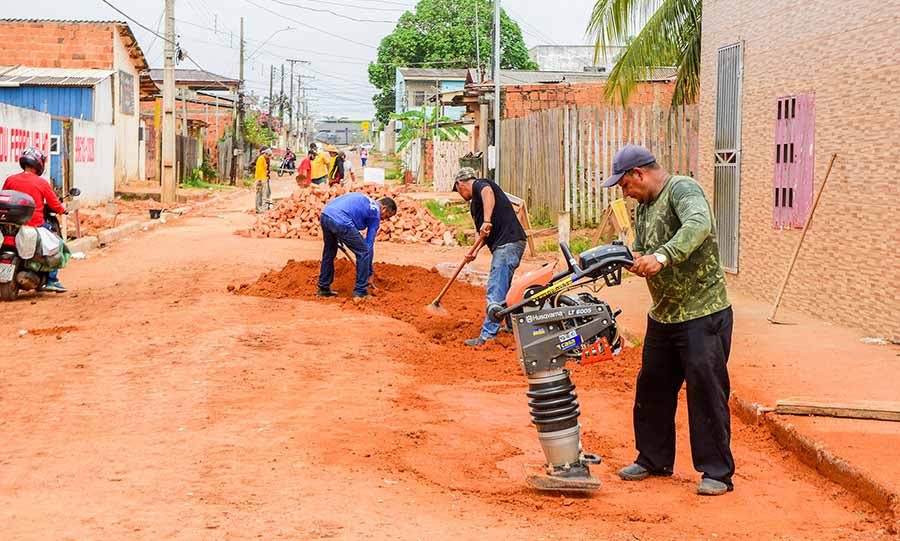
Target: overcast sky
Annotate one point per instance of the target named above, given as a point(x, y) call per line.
point(338, 48)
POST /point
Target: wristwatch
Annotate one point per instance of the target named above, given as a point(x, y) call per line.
point(663, 260)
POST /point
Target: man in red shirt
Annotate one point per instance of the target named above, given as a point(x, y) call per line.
point(29, 181)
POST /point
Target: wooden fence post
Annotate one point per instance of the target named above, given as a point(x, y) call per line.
point(562, 225)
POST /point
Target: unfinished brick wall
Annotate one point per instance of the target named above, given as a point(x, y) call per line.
point(57, 44)
point(848, 271)
point(523, 100)
point(429, 160)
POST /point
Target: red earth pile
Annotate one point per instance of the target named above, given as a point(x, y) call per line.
point(402, 294)
point(297, 216)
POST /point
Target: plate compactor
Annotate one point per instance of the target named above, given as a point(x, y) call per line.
point(553, 325)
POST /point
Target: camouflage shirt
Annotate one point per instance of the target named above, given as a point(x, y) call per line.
point(679, 224)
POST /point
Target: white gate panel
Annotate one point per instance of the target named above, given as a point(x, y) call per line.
point(19, 129)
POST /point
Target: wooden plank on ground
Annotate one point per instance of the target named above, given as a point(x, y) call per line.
point(856, 409)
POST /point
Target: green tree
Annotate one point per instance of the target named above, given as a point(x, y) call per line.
point(441, 34)
point(670, 37)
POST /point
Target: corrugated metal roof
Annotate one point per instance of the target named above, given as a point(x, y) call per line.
point(205, 79)
point(30, 76)
point(525, 77)
point(434, 73)
point(76, 21)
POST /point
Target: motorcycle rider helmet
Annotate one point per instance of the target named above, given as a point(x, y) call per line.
point(34, 158)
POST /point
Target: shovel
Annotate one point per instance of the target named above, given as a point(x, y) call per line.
point(352, 259)
point(435, 306)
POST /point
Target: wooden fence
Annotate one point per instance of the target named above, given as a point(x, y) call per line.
point(556, 159)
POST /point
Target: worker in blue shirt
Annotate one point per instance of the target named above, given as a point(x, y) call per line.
point(342, 220)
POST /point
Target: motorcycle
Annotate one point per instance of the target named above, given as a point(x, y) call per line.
point(288, 164)
point(16, 208)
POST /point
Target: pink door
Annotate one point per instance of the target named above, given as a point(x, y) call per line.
point(794, 160)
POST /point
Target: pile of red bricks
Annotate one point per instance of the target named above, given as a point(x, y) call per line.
point(298, 217)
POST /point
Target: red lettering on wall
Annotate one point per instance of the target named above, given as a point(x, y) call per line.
point(84, 149)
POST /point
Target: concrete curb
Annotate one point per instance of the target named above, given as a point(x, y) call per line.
point(815, 455)
point(108, 236)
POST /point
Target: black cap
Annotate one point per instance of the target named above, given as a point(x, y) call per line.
point(629, 157)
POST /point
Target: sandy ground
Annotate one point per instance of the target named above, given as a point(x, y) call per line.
point(152, 402)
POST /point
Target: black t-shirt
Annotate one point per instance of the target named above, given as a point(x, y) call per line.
point(505, 226)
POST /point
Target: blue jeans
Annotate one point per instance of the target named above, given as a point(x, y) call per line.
point(332, 233)
point(505, 261)
point(320, 180)
point(52, 276)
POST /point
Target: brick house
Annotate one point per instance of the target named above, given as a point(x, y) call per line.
point(791, 87)
point(96, 45)
point(204, 107)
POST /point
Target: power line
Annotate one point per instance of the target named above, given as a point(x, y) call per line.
point(282, 2)
point(370, 8)
point(301, 23)
point(132, 19)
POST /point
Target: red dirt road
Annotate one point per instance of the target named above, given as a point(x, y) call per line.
point(153, 403)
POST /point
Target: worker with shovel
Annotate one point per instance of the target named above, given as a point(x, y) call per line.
point(342, 220)
point(499, 227)
point(689, 325)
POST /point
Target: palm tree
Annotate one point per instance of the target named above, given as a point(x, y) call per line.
point(670, 37)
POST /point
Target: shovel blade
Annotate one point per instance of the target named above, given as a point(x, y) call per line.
point(435, 309)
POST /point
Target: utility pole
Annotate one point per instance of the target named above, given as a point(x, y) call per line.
point(238, 160)
point(497, 90)
point(167, 190)
point(281, 97)
point(291, 97)
point(271, 97)
point(477, 47)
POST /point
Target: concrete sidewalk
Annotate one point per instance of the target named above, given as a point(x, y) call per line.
point(810, 359)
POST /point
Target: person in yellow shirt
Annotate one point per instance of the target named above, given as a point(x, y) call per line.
point(319, 166)
point(261, 176)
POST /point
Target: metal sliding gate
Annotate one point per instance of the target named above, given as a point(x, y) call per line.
point(727, 171)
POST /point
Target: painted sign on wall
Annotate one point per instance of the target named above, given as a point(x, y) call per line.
point(19, 129)
point(84, 148)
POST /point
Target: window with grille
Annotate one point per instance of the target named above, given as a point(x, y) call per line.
point(419, 98)
point(794, 160)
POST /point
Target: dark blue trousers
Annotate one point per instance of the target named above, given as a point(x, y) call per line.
point(332, 233)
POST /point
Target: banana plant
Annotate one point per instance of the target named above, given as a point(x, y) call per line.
point(419, 123)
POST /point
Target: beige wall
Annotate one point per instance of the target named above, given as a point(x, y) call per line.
point(848, 54)
point(127, 144)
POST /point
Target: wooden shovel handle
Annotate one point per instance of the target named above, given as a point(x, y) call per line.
point(471, 253)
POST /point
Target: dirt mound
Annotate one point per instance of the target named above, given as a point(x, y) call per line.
point(402, 294)
point(297, 216)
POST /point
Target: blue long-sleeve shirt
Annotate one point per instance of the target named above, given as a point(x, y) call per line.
point(356, 210)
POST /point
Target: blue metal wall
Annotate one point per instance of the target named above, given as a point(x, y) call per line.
point(59, 101)
point(70, 102)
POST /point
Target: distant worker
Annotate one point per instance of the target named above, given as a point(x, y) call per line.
point(305, 169)
point(261, 178)
point(342, 220)
point(319, 166)
point(29, 181)
point(496, 223)
point(363, 155)
point(689, 325)
point(335, 166)
point(349, 175)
